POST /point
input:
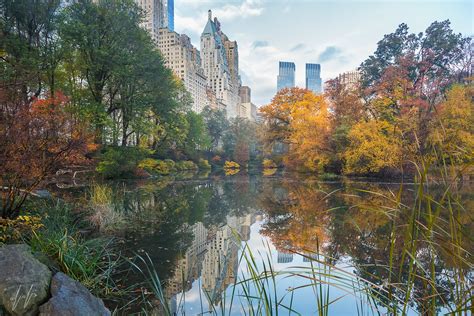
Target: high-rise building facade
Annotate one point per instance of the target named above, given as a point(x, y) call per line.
point(349, 79)
point(313, 78)
point(247, 109)
point(219, 58)
point(185, 61)
point(286, 75)
point(153, 10)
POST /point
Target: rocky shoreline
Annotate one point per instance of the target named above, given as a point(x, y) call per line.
point(28, 287)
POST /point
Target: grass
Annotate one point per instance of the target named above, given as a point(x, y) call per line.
point(61, 245)
point(104, 216)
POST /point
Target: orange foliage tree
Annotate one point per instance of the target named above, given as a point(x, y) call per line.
point(36, 138)
point(299, 119)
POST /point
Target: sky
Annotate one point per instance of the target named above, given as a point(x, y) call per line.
point(338, 34)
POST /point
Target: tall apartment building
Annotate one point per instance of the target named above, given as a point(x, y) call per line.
point(313, 78)
point(219, 58)
point(185, 61)
point(153, 20)
point(158, 14)
point(286, 75)
point(349, 79)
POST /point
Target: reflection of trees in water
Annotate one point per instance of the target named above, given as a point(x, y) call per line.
point(364, 221)
point(183, 227)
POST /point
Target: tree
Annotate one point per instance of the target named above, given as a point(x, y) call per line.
point(452, 130)
point(310, 132)
point(277, 115)
point(375, 146)
point(432, 60)
point(217, 124)
point(238, 140)
point(299, 119)
point(36, 140)
point(197, 138)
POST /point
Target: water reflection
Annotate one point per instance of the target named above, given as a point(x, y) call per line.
point(189, 229)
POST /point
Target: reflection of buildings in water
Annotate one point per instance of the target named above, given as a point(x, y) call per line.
point(188, 268)
point(308, 257)
point(284, 257)
point(213, 255)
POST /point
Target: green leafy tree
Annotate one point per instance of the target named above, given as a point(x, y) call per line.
point(217, 124)
point(197, 138)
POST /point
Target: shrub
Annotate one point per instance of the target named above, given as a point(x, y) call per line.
point(170, 164)
point(269, 164)
point(216, 160)
point(148, 164)
point(186, 165)
point(231, 165)
point(204, 164)
point(119, 162)
point(14, 230)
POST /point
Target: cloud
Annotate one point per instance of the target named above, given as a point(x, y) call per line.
point(329, 53)
point(297, 47)
point(245, 9)
point(258, 44)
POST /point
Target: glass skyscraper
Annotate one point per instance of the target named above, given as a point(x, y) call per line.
point(313, 78)
point(170, 14)
point(286, 75)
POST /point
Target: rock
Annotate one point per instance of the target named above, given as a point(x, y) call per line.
point(24, 281)
point(70, 298)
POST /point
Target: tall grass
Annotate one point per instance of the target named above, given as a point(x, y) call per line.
point(103, 214)
point(91, 261)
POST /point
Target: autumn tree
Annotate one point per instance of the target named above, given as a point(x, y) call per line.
point(36, 140)
point(452, 130)
point(374, 146)
point(300, 120)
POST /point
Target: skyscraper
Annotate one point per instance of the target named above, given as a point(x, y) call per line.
point(286, 75)
point(313, 78)
point(153, 20)
point(185, 60)
point(219, 58)
point(168, 11)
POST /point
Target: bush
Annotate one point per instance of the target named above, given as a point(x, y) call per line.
point(186, 165)
point(269, 164)
point(171, 165)
point(119, 162)
point(231, 165)
point(204, 164)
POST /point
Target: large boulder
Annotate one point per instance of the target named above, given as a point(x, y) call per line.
point(24, 281)
point(71, 298)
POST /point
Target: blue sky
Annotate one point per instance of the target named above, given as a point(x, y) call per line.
point(338, 34)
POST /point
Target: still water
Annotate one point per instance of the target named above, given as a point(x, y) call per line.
point(328, 244)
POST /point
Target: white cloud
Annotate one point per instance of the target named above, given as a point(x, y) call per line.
point(245, 9)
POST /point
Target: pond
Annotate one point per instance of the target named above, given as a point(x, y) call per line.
point(247, 244)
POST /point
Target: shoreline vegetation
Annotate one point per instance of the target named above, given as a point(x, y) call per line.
point(84, 93)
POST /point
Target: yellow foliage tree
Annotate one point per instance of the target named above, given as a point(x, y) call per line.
point(310, 132)
point(452, 131)
point(299, 119)
point(373, 147)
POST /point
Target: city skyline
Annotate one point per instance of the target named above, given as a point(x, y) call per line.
point(354, 32)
